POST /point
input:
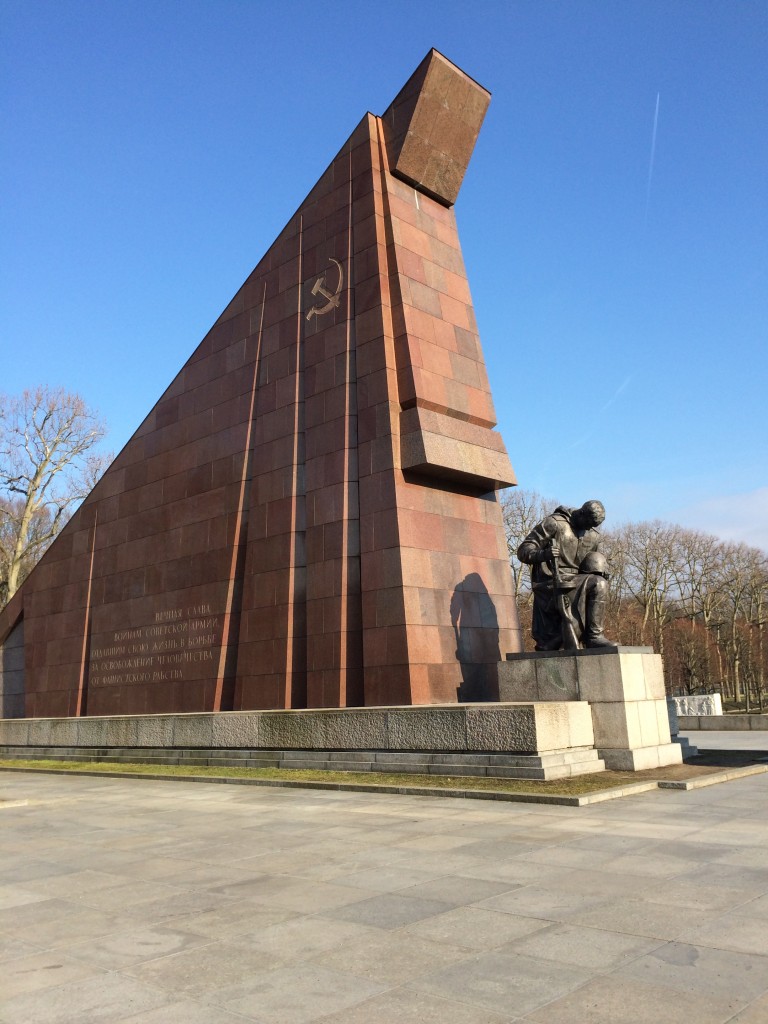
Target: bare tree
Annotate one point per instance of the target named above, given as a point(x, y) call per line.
point(648, 551)
point(47, 466)
point(744, 587)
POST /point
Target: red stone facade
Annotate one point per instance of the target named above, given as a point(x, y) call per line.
point(307, 518)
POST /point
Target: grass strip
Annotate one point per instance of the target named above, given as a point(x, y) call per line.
point(576, 786)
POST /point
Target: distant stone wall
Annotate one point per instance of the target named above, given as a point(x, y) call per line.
point(705, 704)
point(724, 723)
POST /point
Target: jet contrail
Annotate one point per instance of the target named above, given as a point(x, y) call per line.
point(650, 162)
point(622, 387)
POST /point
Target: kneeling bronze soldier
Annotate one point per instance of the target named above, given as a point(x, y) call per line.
point(569, 578)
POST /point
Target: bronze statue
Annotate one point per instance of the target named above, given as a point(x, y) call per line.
point(569, 578)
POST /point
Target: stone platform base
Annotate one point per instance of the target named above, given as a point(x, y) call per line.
point(517, 740)
point(577, 761)
point(625, 690)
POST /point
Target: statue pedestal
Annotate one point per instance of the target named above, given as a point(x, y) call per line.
point(625, 690)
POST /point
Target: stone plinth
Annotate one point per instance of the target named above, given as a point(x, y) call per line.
point(625, 690)
point(520, 727)
point(537, 741)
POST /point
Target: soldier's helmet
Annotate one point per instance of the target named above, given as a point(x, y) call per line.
point(595, 564)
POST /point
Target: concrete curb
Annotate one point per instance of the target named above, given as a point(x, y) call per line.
point(600, 796)
point(712, 780)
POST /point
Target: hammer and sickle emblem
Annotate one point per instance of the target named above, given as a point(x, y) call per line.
point(319, 289)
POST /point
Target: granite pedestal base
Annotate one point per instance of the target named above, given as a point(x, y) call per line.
point(625, 690)
point(519, 740)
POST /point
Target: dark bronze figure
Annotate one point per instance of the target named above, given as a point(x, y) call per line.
point(569, 578)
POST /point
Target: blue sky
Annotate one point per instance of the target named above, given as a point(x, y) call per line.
point(616, 249)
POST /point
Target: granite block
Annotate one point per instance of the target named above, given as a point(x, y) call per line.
point(503, 728)
point(558, 679)
point(427, 729)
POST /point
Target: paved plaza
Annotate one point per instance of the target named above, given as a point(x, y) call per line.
point(159, 902)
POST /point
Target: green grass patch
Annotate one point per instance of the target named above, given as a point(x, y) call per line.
point(395, 780)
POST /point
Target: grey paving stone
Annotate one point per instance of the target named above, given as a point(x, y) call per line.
point(600, 884)
point(75, 883)
point(27, 869)
point(457, 890)
point(170, 907)
point(14, 919)
point(158, 867)
point(303, 937)
point(739, 977)
point(405, 1006)
point(688, 893)
point(387, 879)
point(638, 917)
point(736, 931)
point(516, 872)
point(438, 842)
point(582, 947)
point(205, 970)
point(390, 910)
point(77, 924)
point(504, 983)
point(650, 863)
point(41, 971)
point(563, 873)
point(549, 904)
point(747, 857)
point(11, 949)
point(745, 879)
point(129, 894)
point(296, 995)
point(102, 999)
point(392, 957)
point(568, 857)
point(755, 1013)
point(232, 919)
point(17, 896)
point(475, 928)
point(125, 948)
point(615, 1000)
point(757, 907)
point(185, 1012)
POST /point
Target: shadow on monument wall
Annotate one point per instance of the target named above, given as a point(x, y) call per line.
point(476, 627)
point(12, 673)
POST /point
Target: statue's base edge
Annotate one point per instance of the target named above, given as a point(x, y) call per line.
point(585, 652)
point(624, 689)
point(641, 758)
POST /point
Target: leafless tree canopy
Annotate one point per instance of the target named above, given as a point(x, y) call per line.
point(700, 601)
point(47, 466)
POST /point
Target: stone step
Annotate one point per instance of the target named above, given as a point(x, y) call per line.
point(549, 766)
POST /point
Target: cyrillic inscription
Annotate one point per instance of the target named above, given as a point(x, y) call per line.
point(159, 652)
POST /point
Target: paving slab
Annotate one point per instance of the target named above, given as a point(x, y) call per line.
point(130, 901)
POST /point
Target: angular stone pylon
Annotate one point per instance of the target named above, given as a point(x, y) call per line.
point(307, 517)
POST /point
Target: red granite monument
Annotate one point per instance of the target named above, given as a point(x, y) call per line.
point(307, 517)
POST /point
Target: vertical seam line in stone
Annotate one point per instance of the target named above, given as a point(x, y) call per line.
point(290, 688)
point(393, 279)
point(229, 643)
point(389, 340)
point(349, 412)
point(82, 685)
